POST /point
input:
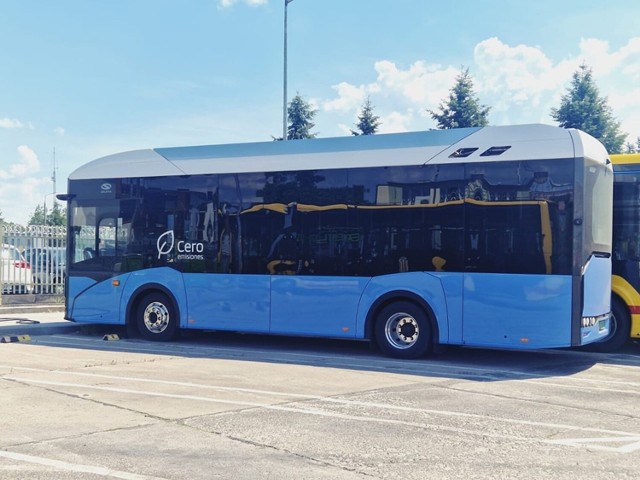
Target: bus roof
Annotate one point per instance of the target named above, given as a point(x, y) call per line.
point(522, 142)
point(625, 158)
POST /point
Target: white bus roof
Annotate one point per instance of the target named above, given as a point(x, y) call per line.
point(525, 142)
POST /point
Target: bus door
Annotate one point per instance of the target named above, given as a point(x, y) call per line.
point(226, 297)
point(95, 258)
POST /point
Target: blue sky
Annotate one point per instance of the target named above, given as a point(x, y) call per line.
point(88, 78)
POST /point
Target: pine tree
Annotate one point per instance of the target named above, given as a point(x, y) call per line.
point(368, 123)
point(300, 115)
point(582, 107)
point(462, 108)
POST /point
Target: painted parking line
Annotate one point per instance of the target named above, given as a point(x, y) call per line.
point(628, 442)
point(625, 444)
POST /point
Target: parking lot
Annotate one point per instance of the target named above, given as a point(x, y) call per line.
point(214, 405)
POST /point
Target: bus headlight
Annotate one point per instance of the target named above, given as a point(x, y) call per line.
point(592, 320)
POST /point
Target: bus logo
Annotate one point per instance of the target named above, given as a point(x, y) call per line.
point(185, 250)
point(105, 187)
point(165, 243)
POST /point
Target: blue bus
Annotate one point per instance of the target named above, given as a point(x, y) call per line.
point(493, 237)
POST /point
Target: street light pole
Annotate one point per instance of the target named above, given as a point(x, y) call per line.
point(284, 95)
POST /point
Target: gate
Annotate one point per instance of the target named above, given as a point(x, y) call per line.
point(32, 263)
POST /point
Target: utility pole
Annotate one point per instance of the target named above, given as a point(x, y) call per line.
point(54, 167)
point(284, 96)
point(53, 175)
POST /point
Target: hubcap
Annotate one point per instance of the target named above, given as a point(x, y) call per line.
point(156, 317)
point(402, 330)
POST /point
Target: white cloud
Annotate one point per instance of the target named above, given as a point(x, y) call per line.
point(59, 131)
point(349, 97)
point(21, 186)
point(520, 83)
point(422, 84)
point(617, 73)
point(19, 199)
point(395, 122)
point(520, 75)
point(416, 89)
point(10, 123)
point(253, 3)
point(28, 163)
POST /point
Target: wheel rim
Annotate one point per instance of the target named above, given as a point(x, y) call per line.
point(402, 330)
point(156, 317)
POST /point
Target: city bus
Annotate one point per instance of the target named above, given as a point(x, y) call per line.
point(495, 237)
point(625, 283)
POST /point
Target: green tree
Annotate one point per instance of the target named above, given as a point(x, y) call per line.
point(37, 217)
point(462, 108)
point(368, 123)
point(582, 107)
point(55, 216)
point(631, 147)
point(3, 221)
point(300, 115)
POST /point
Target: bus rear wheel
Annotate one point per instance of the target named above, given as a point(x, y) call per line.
point(403, 330)
point(156, 318)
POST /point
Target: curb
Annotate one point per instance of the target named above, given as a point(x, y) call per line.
point(30, 308)
point(15, 338)
point(37, 329)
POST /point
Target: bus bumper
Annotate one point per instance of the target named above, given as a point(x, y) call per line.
point(635, 326)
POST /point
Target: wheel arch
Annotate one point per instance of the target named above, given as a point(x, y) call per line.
point(139, 293)
point(400, 295)
point(624, 291)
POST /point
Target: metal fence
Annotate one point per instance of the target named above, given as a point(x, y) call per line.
point(32, 263)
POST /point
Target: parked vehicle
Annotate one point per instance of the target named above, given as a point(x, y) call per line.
point(48, 267)
point(16, 271)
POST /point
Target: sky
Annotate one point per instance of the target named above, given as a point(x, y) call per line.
point(80, 79)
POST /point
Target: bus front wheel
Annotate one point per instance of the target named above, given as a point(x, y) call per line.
point(402, 330)
point(156, 317)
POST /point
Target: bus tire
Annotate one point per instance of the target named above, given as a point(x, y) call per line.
point(619, 326)
point(403, 330)
point(156, 317)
